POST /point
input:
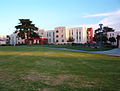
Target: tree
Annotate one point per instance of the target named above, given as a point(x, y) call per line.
point(112, 40)
point(26, 29)
point(103, 36)
point(70, 39)
point(105, 30)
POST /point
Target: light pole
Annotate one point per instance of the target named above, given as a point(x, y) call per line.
point(100, 31)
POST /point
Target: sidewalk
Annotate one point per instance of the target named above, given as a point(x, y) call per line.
point(114, 52)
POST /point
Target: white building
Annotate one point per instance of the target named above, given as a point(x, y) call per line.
point(14, 39)
point(79, 34)
point(3, 39)
point(51, 36)
point(113, 34)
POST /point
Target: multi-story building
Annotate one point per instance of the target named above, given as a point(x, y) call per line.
point(61, 35)
point(90, 35)
point(41, 33)
point(14, 39)
point(51, 36)
point(115, 35)
point(3, 39)
point(79, 34)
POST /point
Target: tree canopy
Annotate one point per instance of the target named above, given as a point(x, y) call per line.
point(112, 39)
point(70, 39)
point(26, 29)
point(103, 35)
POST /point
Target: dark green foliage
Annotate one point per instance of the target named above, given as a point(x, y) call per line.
point(112, 39)
point(103, 35)
point(70, 39)
point(26, 29)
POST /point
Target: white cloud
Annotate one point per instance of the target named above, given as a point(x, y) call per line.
point(103, 14)
point(112, 20)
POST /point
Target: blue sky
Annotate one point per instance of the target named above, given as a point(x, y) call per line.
point(47, 14)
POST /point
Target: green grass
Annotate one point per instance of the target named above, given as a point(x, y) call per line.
point(74, 47)
point(42, 69)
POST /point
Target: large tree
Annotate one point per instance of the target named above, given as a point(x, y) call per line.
point(26, 29)
point(102, 36)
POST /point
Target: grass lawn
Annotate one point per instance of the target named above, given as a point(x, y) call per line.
point(42, 69)
point(73, 47)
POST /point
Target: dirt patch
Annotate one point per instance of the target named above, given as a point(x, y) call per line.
point(47, 89)
point(84, 84)
point(52, 80)
point(34, 76)
point(6, 76)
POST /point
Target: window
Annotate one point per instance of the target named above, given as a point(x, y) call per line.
point(61, 31)
point(57, 41)
point(53, 34)
point(61, 36)
point(62, 40)
point(79, 37)
point(76, 32)
point(113, 34)
point(57, 36)
point(72, 32)
point(79, 33)
point(49, 34)
point(57, 31)
point(49, 40)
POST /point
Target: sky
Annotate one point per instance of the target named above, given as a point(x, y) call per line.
point(48, 14)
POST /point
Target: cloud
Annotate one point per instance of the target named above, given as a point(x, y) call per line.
point(112, 20)
point(103, 14)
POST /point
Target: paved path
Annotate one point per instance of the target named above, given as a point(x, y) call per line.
point(114, 52)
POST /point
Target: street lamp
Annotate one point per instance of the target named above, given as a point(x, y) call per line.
point(100, 32)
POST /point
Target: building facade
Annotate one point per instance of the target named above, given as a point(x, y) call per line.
point(90, 35)
point(113, 34)
point(61, 35)
point(3, 39)
point(51, 36)
point(42, 33)
point(79, 34)
point(14, 39)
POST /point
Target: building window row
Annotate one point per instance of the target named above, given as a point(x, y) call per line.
point(59, 40)
point(58, 36)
